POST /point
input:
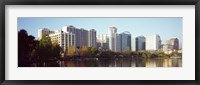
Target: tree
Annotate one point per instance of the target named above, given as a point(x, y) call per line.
point(92, 52)
point(107, 54)
point(26, 48)
point(66, 52)
point(71, 51)
point(127, 53)
point(45, 48)
point(56, 50)
point(83, 51)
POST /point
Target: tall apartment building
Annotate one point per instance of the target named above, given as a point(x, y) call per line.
point(140, 43)
point(174, 42)
point(75, 31)
point(64, 39)
point(153, 43)
point(44, 31)
point(118, 42)
point(92, 38)
point(125, 41)
point(103, 41)
point(83, 37)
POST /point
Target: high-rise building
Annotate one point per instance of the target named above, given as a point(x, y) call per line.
point(140, 43)
point(125, 41)
point(174, 42)
point(103, 41)
point(133, 44)
point(44, 31)
point(81, 35)
point(153, 42)
point(70, 36)
point(84, 37)
point(118, 42)
point(73, 30)
point(113, 38)
point(64, 39)
point(92, 38)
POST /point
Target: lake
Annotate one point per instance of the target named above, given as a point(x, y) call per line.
point(118, 62)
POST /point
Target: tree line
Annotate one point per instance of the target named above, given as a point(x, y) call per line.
point(43, 51)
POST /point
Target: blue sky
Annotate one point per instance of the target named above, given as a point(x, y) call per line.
point(165, 27)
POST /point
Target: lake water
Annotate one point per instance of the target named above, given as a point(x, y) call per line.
point(121, 62)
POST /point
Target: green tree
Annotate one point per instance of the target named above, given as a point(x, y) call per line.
point(92, 52)
point(56, 50)
point(45, 48)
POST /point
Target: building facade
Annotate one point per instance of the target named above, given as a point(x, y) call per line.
point(118, 42)
point(75, 31)
point(92, 38)
point(103, 41)
point(174, 42)
point(83, 37)
point(125, 43)
point(153, 43)
point(133, 43)
point(64, 39)
point(44, 31)
point(113, 37)
point(140, 43)
point(70, 36)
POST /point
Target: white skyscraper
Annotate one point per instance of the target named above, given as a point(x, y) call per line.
point(153, 42)
point(133, 44)
point(112, 38)
point(92, 38)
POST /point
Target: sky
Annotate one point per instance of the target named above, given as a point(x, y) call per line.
point(165, 27)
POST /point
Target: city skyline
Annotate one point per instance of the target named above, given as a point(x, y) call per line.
point(154, 25)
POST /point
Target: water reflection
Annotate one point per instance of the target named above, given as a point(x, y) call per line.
point(121, 62)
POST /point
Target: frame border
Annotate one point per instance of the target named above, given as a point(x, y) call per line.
point(98, 2)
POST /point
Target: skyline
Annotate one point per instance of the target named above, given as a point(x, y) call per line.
point(165, 27)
